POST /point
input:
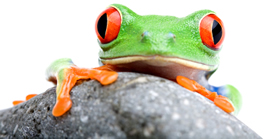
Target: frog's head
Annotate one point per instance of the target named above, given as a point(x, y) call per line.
point(193, 41)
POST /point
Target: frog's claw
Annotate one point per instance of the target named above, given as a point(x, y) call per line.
point(67, 75)
point(220, 101)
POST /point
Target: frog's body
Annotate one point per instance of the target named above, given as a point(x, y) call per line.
point(184, 50)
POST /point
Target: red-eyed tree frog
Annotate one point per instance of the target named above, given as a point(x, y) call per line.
point(184, 50)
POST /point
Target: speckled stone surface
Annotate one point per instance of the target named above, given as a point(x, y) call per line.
point(136, 106)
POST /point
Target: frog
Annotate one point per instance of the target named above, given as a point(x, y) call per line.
point(184, 50)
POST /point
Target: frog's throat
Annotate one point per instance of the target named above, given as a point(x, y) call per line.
point(159, 61)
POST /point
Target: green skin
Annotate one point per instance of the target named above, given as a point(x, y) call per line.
point(164, 36)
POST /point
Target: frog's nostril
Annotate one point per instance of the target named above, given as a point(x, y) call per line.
point(171, 35)
point(145, 37)
point(145, 33)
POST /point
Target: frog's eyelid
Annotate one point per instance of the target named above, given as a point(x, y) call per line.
point(121, 16)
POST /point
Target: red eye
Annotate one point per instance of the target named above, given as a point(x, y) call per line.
point(108, 25)
point(212, 31)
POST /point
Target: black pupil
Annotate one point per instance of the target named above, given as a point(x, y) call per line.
point(216, 31)
point(102, 25)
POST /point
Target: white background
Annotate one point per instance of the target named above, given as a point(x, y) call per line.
point(34, 33)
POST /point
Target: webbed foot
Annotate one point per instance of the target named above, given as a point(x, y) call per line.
point(222, 102)
point(66, 76)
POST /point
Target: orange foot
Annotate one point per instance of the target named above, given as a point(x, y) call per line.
point(16, 102)
point(71, 75)
point(220, 101)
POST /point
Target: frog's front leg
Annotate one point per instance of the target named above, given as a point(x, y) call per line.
point(65, 74)
point(230, 92)
point(221, 101)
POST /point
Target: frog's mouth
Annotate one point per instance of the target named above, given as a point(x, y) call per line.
point(165, 67)
point(159, 61)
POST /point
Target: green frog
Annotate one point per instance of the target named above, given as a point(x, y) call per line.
point(184, 50)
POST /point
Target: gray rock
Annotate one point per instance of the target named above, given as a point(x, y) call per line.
point(136, 106)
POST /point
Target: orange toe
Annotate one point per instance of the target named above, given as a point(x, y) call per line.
point(107, 77)
point(16, 102)
point(62, 105)
point(212, 96)
point(223, 103)
point(192, 85)
point(186, 83)
point(30, 96)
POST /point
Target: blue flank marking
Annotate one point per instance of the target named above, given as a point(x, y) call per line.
point(222, 90)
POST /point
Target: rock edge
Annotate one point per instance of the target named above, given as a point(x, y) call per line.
point(135, 106)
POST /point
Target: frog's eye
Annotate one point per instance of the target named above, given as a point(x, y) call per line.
point(212, 31)
point(108, 25)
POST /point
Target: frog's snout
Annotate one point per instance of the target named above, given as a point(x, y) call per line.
point(147, 36)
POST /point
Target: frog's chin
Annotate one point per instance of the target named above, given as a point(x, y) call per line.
point(165, 67)
point(159, 61)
